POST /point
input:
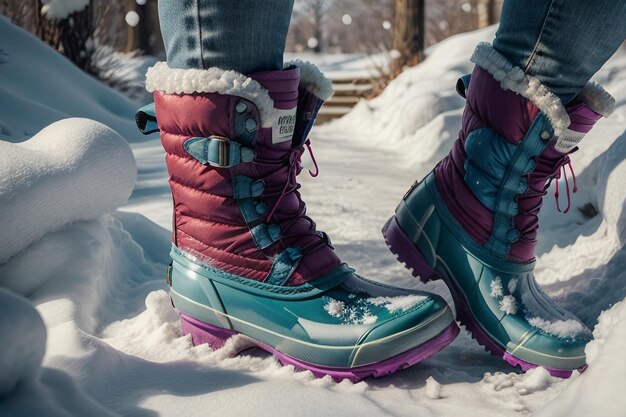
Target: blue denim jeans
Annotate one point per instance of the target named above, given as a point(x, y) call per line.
point(561, 42)
point(242, 35)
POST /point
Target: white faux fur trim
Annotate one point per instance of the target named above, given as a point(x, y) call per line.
point(312, 79)
point(597, 98)
point(513, 78)
point(160, 77)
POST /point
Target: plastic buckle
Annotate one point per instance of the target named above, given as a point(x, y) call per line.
point(223, 152)
point(168, 275)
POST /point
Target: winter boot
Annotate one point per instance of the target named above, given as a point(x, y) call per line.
point(473, 221)
point(245, 257)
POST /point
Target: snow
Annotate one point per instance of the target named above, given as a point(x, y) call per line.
point(61, 9)
point(354, 314)
point(132, 18)
point(21, 352)
point(433, 388)
point(32, 95)
point(536, 379)
point(496, 288)
point(113, 343)
point(73, 170)
point(601, 387)
point(560, 328)
point(123, 71)
point(398, 303)
point(344, 66)
point(335, 308)
point(369, 319)
point(508, 304)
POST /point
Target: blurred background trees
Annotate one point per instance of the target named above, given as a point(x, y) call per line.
point(115, 40)
point(370, 25)
point(331, 26)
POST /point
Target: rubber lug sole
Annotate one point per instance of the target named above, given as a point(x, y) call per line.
point(408, 254)
point(216, 337)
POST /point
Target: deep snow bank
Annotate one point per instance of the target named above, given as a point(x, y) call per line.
point(74, 169)
point(416, 98)
point(60, 248)
point(39, 86)
point(22, 350)
point(80, 279)
point(599, 391)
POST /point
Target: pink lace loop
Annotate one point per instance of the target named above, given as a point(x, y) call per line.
point(293, 169)
point(567, 190)
point(317, 169)
point(569, 163)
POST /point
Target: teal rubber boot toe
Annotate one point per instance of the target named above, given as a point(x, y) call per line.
point(344, 326)
point(246, 258)
point(498, 302)
point(474, 220)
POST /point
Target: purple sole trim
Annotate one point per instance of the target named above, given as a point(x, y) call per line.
point(216, 337)
point(407, 253)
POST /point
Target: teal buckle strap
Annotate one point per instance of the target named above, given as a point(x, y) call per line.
point(503, 233)
point(283, 266)
point(146, 120)
point(246, 187)
point(252, 210)
point(265, 235)
point(218, 151)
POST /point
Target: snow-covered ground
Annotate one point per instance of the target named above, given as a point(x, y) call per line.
point(345, 66)
point(112, 342)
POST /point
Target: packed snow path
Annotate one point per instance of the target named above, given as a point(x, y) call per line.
point(113, 341)
point(355, 193)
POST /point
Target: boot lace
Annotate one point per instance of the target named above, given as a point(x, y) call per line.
point(549, 171)
point(558, 177)
point(292, 164)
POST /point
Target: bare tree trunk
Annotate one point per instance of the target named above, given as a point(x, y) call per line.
point(492, 12)
point(487, 11)
point(144, 28)
point(72, 35)
point(131, 31)
point(75, 35)
point(47, 30)
point(408, 35)
point(318, 10)
point(317, 33)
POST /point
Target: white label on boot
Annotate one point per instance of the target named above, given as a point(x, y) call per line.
point(568, 140)
point(284, 124)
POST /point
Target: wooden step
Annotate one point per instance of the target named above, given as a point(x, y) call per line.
point(350, 101)
point(348, 92)
point(348, 89)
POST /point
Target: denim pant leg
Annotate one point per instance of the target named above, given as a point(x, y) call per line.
point(561, 42)
point(242, 35)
